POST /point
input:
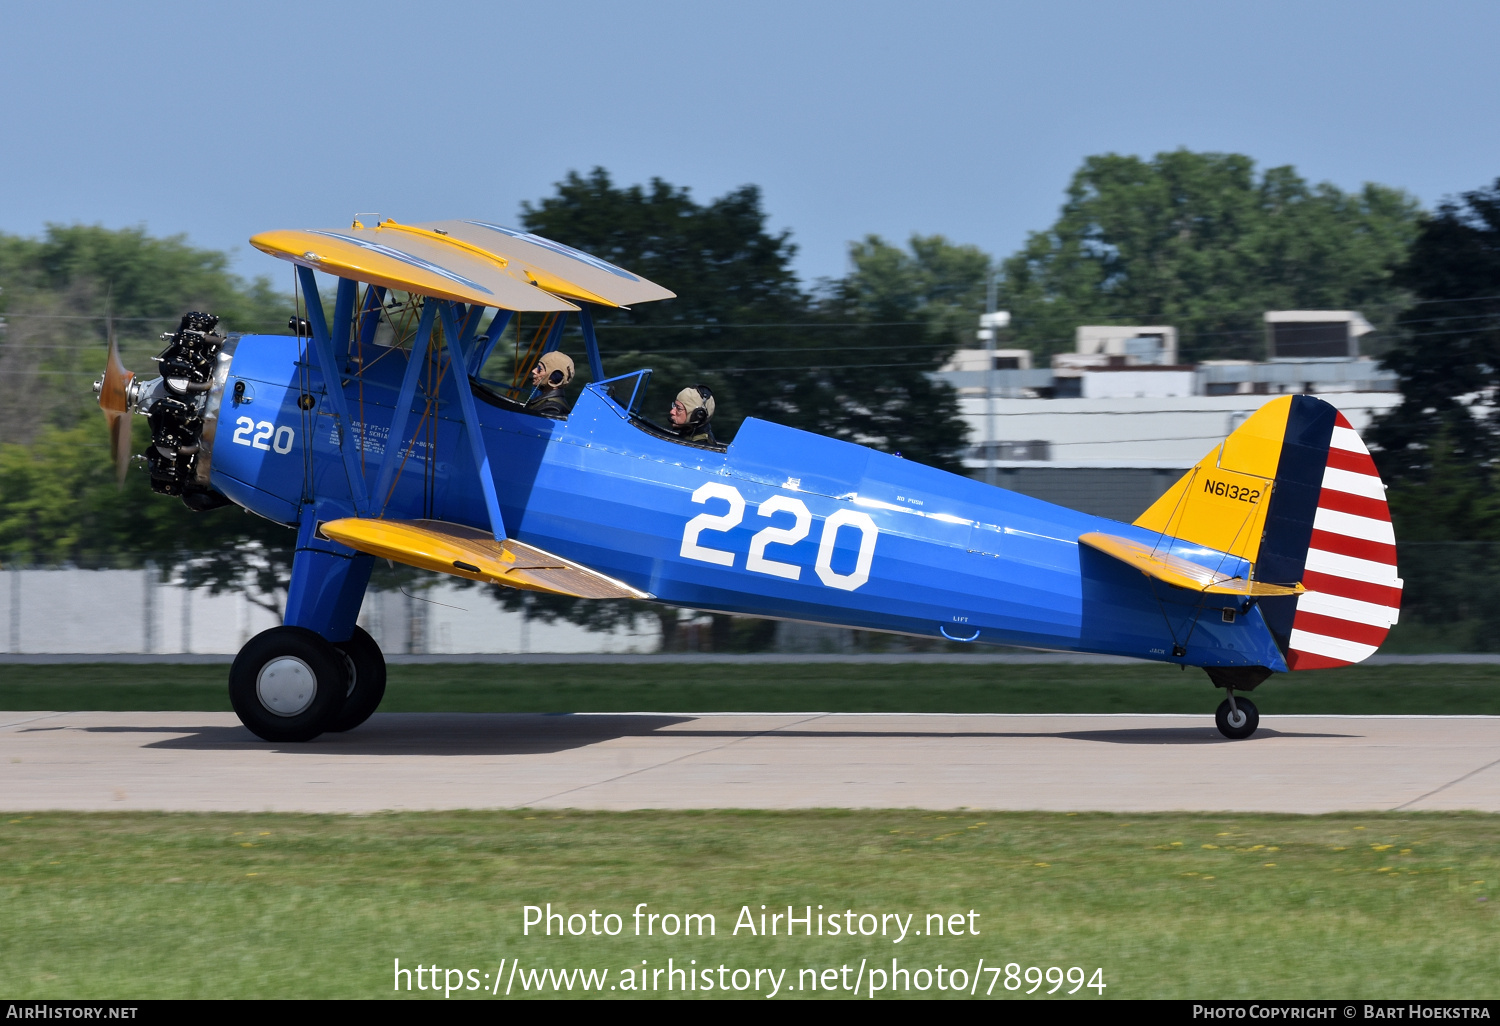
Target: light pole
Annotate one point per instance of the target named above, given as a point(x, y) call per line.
point(989, 325)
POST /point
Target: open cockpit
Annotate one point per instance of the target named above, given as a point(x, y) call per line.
point(628, 392)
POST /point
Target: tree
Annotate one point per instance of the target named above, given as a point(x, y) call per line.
point(58, 497)
point(1199, 241)
point(59, 503)
point(1449, 354)
point(735, 287)
point(903, 314)
point(822, 363)
point(147, 278)
point(937, 282)
point(55, 292)
point(44, 367)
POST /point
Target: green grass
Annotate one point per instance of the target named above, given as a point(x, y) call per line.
point(1172, 905)
point(830, 687)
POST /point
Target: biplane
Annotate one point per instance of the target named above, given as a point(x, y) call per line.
point(374, 434)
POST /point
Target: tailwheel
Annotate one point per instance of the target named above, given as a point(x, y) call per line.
point(1237, 717)
point(288, 684)
point(365, 666)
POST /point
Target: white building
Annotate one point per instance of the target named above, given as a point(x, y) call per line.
point(1116, 456)
point(1108, 427)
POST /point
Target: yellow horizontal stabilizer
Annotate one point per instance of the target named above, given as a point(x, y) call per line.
point(559, 269)
point(475, 555)
point(1179, 572)
point(421, 262)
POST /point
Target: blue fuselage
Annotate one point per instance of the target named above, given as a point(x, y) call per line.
point(783, 524)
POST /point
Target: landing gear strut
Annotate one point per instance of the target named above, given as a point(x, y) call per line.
point(289, 684)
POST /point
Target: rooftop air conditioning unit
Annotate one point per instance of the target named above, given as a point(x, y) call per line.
point(1314, 334)
point(1129, 346)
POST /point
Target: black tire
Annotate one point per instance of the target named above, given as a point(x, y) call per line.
point(287, 684)
point(365, 665)
point(1250, 714)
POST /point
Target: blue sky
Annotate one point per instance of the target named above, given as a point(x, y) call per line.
point(966, 119)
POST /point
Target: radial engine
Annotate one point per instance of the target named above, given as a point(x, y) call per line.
point(181, 405)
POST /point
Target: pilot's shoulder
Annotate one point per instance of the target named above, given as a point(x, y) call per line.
point(553, 405)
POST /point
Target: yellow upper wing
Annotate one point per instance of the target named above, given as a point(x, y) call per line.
point(409, 262)
point(557, 268)
point(467, 261)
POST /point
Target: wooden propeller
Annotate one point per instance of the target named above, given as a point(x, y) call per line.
point(114, 400)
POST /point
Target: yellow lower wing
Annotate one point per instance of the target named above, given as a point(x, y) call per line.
point(476, 555)
point(1178, 572)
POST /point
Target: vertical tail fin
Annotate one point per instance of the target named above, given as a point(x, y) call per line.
point(1294, 491)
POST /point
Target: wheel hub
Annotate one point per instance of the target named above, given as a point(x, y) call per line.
point(1236, 718)
point(286, 686)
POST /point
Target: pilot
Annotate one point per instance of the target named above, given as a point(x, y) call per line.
point(691, 411)
point(551, 373)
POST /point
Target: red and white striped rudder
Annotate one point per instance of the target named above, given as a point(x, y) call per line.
point(1353, 594)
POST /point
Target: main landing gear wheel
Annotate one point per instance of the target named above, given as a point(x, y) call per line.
point(288, 684)
point(365, 666)
point(1239, 722)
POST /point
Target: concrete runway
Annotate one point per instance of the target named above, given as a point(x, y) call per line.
point(207, 762)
